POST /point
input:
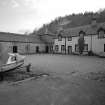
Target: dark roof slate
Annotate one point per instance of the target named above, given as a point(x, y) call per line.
point(88, 29)
point(12, 37)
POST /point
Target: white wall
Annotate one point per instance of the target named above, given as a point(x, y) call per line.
point(59, 43)
point(97, 44)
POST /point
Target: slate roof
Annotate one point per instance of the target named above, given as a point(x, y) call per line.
point(88, 29)
point(47, 37)
point(11, 37)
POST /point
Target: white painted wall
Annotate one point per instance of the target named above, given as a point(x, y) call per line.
point(59, 43)
point(97, 44)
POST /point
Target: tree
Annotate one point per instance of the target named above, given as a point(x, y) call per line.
point(81, 44)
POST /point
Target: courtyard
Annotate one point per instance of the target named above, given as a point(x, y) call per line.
point(66, 63)
point(72, 81)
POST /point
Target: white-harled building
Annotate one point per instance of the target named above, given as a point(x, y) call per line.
point(94, 36)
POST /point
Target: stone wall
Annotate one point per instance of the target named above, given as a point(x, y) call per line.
point(23, 48)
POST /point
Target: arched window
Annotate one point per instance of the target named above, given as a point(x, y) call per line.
point(101, 33)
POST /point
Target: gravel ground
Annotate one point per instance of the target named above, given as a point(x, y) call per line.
point(72, 80)
point(66, 63)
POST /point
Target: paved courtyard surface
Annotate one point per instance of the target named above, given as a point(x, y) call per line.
point(66, 85)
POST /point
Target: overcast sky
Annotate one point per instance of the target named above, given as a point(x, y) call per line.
point(21, 15)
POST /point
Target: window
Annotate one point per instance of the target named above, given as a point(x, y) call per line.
point(104, 47)
point(81, 34)
point(37, 49)
point(15, 49)
point(86, 47)
point(59, 38)
point(76, 48)
point(62, 48)
point(69, 38)
point(56, 47)
point(101, 33)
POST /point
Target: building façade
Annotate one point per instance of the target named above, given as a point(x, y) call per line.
point(23, 44)
point(94, 37)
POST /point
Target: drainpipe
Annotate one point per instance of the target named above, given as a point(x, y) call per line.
point(91, 44)
point(65, 44)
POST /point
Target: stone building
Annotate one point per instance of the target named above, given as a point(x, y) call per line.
point(22, 44)
point(66, 42)
point(48, 39)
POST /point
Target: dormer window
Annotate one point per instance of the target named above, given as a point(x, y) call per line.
point(69, 38)
point(59, 37)
point(81, 34)
point(56, 48)
point(101, 33)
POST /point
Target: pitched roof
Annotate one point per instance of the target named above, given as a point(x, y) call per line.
point(11, 37)
point(88, 29)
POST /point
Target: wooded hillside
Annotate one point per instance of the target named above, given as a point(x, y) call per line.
point(72, 20)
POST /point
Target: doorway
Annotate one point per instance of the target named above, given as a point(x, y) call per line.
point(69, 49)
point(15, 49)
point(37, 49)
point(47, 49)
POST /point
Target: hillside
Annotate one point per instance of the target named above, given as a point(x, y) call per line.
point(73, 20)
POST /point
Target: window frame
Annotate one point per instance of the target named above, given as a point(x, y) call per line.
point(104, 47)
point(59, 38)
point(99, 35)
point(82, 32)
point(85, 45)
point(56, 48)
point(76, 48)
point(70, 38)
